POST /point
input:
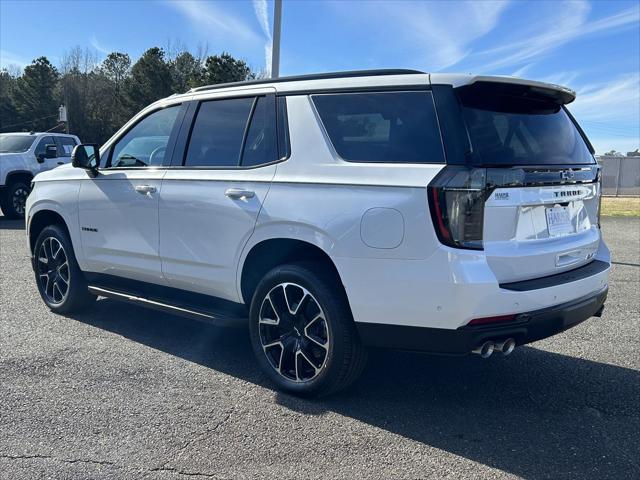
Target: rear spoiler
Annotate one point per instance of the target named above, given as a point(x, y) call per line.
point(556, 93)
point(560, 94)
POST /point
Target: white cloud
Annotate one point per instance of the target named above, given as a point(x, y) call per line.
point(442, 31)
point(609, 112)
point(260, 7)
point(568, 23)
point(435, 35)
point(99, 47)
point(520, 72)
point(615, 100)
point(8, 59)
point(210, 19)
point(262, 14)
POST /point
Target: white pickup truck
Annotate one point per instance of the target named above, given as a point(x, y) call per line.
point(22, 157)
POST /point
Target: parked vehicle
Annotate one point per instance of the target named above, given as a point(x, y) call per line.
point(24, 155)
point(440, 213)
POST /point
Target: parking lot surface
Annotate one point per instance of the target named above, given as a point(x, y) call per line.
point(123, 392)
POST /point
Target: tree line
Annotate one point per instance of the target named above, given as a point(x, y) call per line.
point(101, 96)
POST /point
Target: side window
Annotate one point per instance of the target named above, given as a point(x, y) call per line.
point(42, 144)
point(145, 145)
point(217, 133)
point(390, 127)
point(65, 146)
point(260, 145)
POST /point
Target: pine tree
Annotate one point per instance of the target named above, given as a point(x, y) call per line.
point(34, 94)
point(224, 68)
point(186, 72)
point(8, 112)
point(150, 80)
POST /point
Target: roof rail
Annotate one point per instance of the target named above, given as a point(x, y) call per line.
point(313, 76)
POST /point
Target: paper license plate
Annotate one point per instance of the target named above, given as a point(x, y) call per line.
point(559, 221)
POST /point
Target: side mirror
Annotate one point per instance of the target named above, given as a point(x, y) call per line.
point(50, 151)
point(86, 157)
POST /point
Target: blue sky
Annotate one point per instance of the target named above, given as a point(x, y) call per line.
point(590, 46)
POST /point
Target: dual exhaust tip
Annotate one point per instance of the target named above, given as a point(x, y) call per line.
point(506, 347)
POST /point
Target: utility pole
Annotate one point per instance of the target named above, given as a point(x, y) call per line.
point(275, 47)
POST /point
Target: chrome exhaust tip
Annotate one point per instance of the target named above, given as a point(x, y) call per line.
point(506, 347)
point(485, 350)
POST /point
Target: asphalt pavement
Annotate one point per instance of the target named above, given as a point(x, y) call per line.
point(124, 392)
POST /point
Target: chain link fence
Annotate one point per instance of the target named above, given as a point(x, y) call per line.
point(620, 175)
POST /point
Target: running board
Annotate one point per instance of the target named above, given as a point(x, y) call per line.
point(219, 320)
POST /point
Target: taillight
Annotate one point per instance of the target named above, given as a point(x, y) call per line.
point(456, 200)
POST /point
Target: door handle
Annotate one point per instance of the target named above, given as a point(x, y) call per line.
point(145, 189)
point(239, 193)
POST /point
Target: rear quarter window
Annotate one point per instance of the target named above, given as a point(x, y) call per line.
point(382, 127)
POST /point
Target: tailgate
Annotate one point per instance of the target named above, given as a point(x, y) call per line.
point(535, 231)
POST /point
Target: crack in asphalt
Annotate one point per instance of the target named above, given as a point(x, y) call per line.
point(182, 472)
point(103, 462)
point(51, 457)
point(199, 438)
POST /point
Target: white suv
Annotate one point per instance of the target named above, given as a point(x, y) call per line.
point(441, 213)
point(22, 156)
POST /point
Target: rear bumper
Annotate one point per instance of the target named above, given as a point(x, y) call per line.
point(526, 328)
point(452, 287)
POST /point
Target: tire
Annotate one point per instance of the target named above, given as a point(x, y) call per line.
point(13, 203)
point(60, 281)
point(315, 351)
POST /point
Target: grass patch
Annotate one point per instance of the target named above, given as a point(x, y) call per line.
point(621, 206)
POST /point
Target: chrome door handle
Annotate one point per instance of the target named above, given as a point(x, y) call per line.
point(145, 189)
point(238, 193)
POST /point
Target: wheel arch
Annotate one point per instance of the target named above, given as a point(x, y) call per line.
point(271, 252)
point(18, 175)
point(43, 218)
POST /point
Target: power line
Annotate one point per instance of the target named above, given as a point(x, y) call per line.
point(28, 121)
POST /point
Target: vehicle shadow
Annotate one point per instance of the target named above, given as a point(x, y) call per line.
point(10, 224)
point(535, 414)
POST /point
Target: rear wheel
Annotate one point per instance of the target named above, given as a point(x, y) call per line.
point(302, 331)
point(60, 281)
point(14, 202)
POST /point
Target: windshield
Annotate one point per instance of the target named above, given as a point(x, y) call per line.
point(15, 143)
point(515, 130)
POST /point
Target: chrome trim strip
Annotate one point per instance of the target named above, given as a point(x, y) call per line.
point(150, 303)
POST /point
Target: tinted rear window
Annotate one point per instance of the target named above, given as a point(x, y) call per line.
point(390, 127)
point(216, 138)
point(512, 130)
point(261, 144)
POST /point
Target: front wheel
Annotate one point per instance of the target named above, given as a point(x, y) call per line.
point(60, 281)
point(15, 200)
point(302, 331)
